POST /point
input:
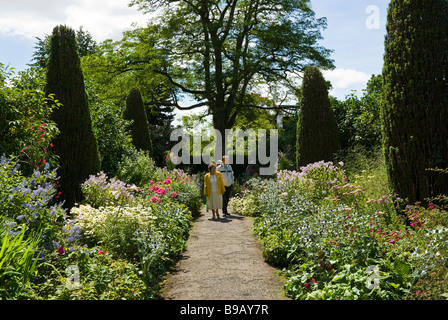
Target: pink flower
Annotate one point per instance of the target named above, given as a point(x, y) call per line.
point(151, 182)
point(307, 285)
point(100, 252)
point(167, 181)
point(392, 241)
point(161, 191)
point(159, 183)
point(173, 194)
point(155, 199)
point(314, 281)
point(61, 250)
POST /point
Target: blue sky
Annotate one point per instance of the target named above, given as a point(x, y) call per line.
point(358, 47)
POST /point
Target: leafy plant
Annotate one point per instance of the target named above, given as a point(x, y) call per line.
point(18, 258)
point(30, 201)
point(99, 191)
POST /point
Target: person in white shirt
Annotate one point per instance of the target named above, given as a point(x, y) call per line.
point(227, 173)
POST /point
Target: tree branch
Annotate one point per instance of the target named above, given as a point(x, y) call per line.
point(178, 85)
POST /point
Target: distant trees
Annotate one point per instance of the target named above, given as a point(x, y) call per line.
point(358, 118)
point(139, 128)
point(317, 130)
point(85, 45)
point(76, 145)
point(415, 97)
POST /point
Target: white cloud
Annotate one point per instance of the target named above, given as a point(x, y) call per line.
point(103, 18)
point(346, 80)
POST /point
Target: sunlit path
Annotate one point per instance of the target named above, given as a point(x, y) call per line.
point(223, 262)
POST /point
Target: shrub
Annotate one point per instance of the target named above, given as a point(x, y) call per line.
point(329, 249)
point(30, 202)
point(76, 144)
point(136, 167)
point(317, 129)
point(153, 233)
point(18, 258)
point(414, 102)
point(99, 276)
point(139, 128)
point(99, 191)
point(315, 179)
point(247, 202)
point(177, 185)
point(25, 128)
point(113, 227)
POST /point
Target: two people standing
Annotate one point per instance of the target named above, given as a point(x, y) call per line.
point(218, 184)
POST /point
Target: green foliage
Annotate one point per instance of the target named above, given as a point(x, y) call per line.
point(359, 118)
point(99, 191)
point(110, 75)
point(244, 43)
point(348, 238)
point(84, 43)
point(76, 144)
point(18, 258)
point(100, 276)
point(111, 133)
point(177, 185)
point(245, 202)
point(135, 112)
point(317, 130)
point(28, 202)
point(415, 96)
point(136, 167)
point(153, 232)
point(25, 125)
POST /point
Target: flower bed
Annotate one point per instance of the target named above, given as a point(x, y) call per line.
point(334, 241)
point(117, 244)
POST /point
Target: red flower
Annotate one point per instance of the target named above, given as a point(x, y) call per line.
point(307, 285)
point(155, 199)
point(100, 252)
point(61, 250)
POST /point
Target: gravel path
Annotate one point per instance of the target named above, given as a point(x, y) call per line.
point(223, 261)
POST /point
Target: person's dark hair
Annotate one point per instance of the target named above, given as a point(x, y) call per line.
point(210, 166)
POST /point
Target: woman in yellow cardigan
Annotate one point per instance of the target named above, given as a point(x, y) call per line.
point(213, 189)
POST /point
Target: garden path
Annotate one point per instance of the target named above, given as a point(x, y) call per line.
point(223, 261)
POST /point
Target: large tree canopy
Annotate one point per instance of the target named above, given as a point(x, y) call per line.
point(221, 52)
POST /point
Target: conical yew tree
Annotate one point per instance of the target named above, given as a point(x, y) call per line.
point(317, 129)
point(76, 145)
point(415, 97)
point(135, 111)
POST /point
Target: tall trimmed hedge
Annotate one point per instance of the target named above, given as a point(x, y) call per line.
point(317, 129)
point(415, 97)
point(76, 145)
point(135, 111)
